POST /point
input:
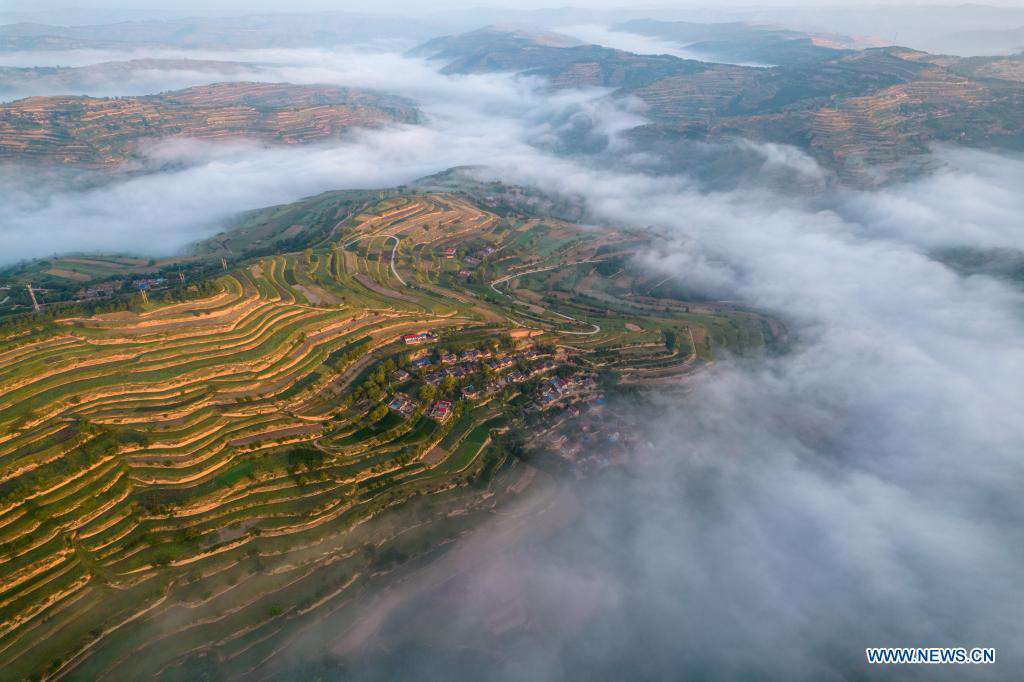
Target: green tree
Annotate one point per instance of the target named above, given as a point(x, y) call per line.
point(669, 336)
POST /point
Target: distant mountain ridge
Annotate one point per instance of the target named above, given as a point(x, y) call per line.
point(743, 41)
point(104, 132)
point(248, 31)
point(573, 64)
point(853, 111)
point(75, 79)
point(989, 41)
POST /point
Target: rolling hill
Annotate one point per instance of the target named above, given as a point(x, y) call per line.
point(51, 80)
point(852, 110)
point(104, 132)
point(744, 42)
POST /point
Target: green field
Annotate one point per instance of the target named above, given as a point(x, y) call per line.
point(157, 462)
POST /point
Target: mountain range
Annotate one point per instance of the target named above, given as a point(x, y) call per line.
point(250, 31)
point(852, 110)
point(745, 41)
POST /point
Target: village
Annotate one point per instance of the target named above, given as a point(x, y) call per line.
point(479, 373)
point(568, 409)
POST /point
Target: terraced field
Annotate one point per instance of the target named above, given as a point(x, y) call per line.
point(104, 132)
point(852, 110)
point(191, 484)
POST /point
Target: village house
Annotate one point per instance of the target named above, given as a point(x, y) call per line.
point(149, 283)
point(498, 364)
point(558, 384)
point(418, 338)
point(440, 411)
point(102, 290)
point(542, 367)
point(402, 404)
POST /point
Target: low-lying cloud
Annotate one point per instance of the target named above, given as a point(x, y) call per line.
point(972, 199)
point(862, 490)
point(641, 44)
point(469, 120)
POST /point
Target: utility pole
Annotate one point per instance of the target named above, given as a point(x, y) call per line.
point(145, 296)
point(35, 304)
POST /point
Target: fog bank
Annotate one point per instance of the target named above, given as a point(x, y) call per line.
point(469, 120)
point(862, 490)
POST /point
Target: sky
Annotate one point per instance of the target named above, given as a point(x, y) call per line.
point(417, 6)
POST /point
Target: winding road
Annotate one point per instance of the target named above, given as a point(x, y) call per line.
point(502, 280)
point(506, 278)
point(394, 250)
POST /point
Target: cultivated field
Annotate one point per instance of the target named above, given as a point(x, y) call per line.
point(196, 482)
